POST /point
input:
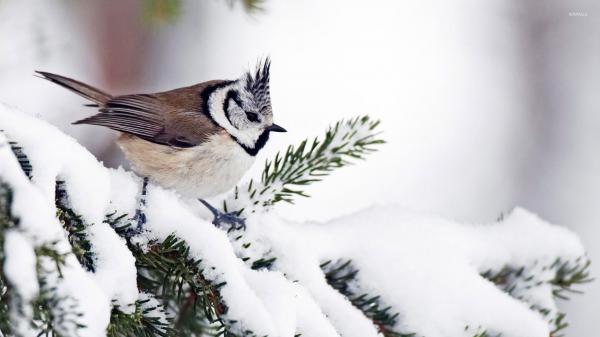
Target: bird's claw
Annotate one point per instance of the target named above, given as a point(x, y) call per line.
point(221, 218)
point(140, 216)
point(232, 219)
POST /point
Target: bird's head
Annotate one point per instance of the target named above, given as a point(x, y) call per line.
point(243, 108)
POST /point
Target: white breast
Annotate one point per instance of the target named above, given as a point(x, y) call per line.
point(211, 168)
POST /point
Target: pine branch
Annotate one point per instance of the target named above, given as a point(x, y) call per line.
point(52, 313)
point(284, 177)
point(7, 221)
point(559, 324)
point(148, 320)
point(567, 275)
point(55, 315)
point(168, 271)
point(22, 158)
point(341, 275)
point(76, 228)
point(266, 259)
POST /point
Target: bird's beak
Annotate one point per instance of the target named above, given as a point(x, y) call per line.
point(276, 128)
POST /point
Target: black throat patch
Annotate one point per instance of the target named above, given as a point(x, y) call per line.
point(260, 143)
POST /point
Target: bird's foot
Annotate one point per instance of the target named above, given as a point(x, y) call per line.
point(231, 218)
point(221, 218)
point(140, 216)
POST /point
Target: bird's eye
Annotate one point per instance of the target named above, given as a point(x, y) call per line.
point(253, 117)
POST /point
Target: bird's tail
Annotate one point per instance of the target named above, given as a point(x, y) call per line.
point(87, 91)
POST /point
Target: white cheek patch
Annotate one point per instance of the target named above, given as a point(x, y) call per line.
point(216, 99)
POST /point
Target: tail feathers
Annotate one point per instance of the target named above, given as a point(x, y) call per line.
point(95, 95)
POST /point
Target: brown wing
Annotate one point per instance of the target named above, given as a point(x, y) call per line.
point(174, 118)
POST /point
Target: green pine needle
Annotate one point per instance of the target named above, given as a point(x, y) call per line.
point(342, 276)
point(285, 177)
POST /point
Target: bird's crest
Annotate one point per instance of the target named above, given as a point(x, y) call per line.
point(257, 84)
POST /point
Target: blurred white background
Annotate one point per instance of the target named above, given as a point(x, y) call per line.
point(485, 105)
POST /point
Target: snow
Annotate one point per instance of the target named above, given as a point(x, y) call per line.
point(84, 291)
point(430, 273)
point(166, 215)
point(55, 156)
point(38, 224)
point(126, 186)
point(19, 269)
point(149, 302)
point(426, 267)
point(19, 266)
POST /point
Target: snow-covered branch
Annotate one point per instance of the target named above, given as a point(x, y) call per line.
point(67, 251)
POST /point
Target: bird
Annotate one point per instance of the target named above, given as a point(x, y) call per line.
point(198, 140)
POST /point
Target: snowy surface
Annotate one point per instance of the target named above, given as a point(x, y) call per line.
point(427, 268)
point(58, 157)
point(20, 264)
point(38, 226)
point(19, 268)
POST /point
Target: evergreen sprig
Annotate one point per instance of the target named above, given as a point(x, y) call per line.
point(55, 315)
point(76, 228)
point(167, 270)
point(51, 312)
point(284, 177)
point(309, 162)
point(342, 276)
point(567, 275)
point(264, 261)
point(147, 320)
point(7, 221)
point(21, 158)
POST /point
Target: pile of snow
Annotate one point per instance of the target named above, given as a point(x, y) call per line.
point(428, 269)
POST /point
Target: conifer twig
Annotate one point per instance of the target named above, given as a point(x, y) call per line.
point(284, 177)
